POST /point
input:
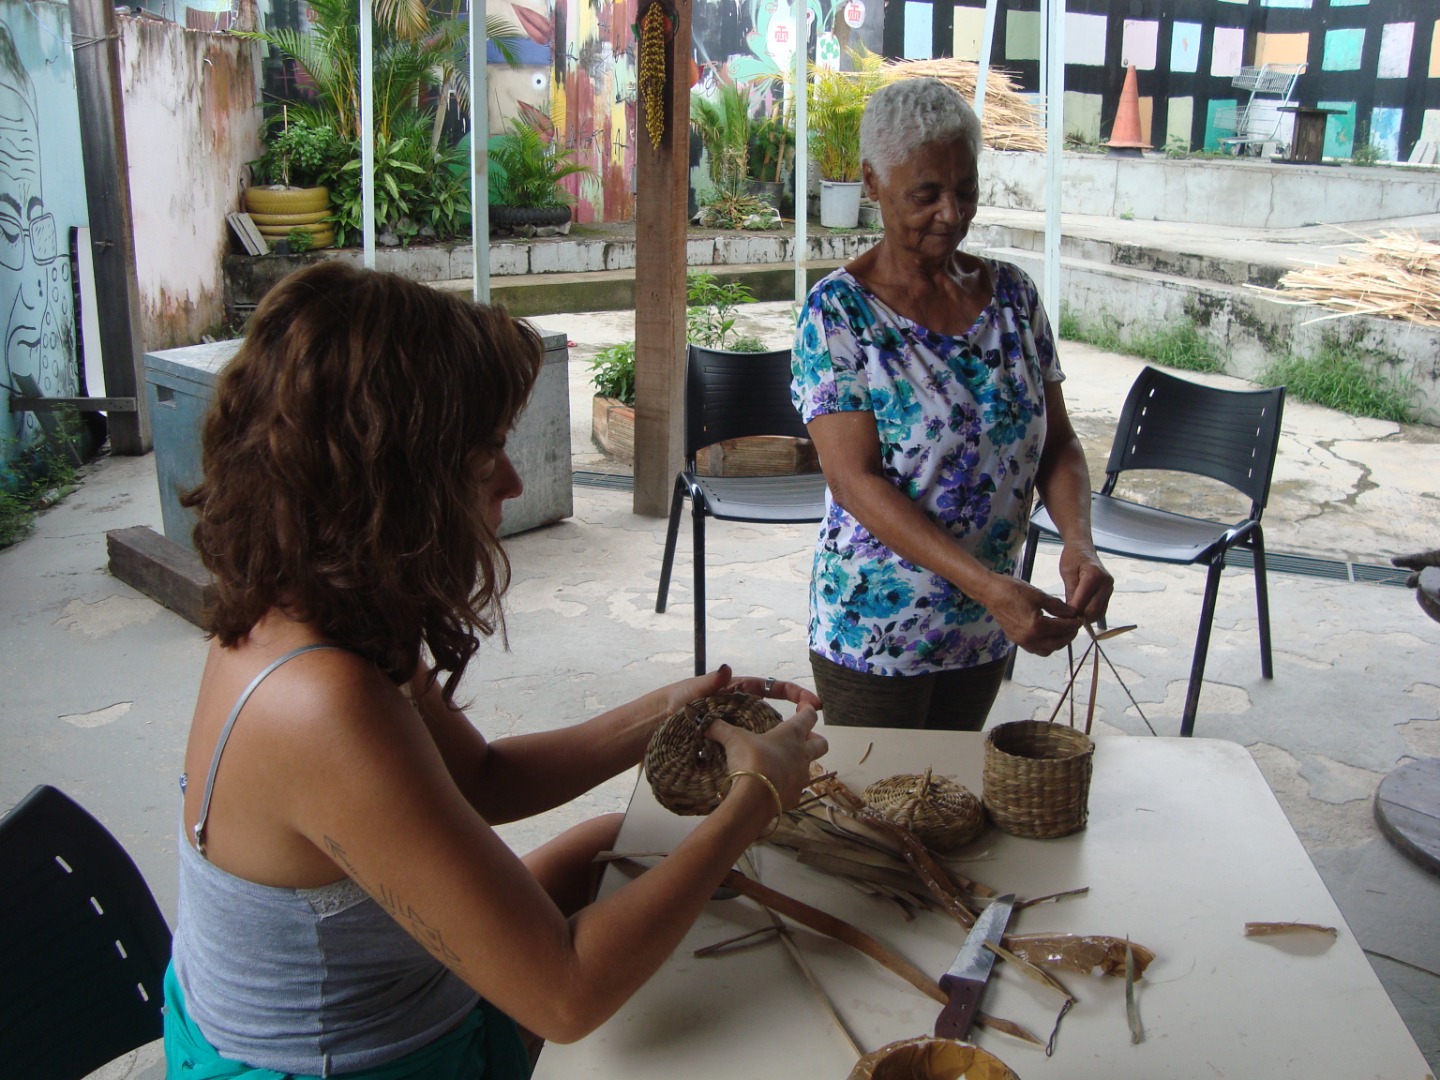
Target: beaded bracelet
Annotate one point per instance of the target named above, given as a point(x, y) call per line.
point(779, 806)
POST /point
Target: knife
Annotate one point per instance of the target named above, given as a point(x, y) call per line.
point(965, 981)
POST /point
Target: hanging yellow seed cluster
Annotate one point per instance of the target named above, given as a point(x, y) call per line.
point(652, 72)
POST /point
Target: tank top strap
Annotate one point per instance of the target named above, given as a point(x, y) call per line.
point(230, 723)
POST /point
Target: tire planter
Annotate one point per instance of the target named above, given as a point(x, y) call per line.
point(539, 216)
point(283, 200)
point(289, 220)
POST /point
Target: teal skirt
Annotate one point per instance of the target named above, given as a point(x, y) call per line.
point(486, 1044)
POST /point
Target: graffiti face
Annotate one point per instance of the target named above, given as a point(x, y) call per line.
point(36, 302)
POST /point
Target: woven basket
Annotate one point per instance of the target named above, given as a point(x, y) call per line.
point(686, 770)
point(942, 813)
point(1037, 778)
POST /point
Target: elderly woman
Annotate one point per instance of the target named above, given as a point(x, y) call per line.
point(345, 906)
point(929, 383)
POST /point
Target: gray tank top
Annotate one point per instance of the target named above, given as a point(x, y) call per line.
point(310, 981)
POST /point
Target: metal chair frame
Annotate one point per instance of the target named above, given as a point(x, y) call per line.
point(730, 395)
point(1175, 425)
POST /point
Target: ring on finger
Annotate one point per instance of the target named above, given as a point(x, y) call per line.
point(769, 685)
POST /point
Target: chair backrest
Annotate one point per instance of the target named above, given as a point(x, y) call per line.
point(83, 944)
point(733, 395)
point(1227, 435)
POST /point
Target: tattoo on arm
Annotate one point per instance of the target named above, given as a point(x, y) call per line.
point(409, 919)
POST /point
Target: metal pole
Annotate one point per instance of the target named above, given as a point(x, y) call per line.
point(802, 148)
point(367, 131)
point(987, 44)
point(1054, 144)
point(479, 155)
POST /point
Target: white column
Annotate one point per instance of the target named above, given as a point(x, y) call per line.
point(479, 154)
point(367, 131)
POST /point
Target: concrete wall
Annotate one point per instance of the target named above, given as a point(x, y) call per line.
point(191, 123)
point(42, 200)
point(1251, 195)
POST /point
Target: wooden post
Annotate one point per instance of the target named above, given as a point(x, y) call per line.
point(107, 195)
point(661, 191)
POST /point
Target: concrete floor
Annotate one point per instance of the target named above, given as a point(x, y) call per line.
point(100, 680)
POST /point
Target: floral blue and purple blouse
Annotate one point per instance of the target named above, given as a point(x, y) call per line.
point(961, 421)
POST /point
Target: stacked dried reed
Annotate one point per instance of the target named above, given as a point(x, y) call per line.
point(1394, 276)
point(1009, 123)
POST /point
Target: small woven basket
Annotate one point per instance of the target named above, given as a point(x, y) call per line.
point(942, 813)
point(1037, 778)
point(686, 770)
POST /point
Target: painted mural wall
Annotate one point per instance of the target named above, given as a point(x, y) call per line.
point(42, 200)
point(192, 121)
point(1375, 62)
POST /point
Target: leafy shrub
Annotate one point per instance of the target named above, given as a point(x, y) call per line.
point(614, 372)
point(1344, 376)
point(526, 170)
point(300, 154)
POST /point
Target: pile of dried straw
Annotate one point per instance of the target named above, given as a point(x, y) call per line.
point(1009, 123)
point(1394, 276)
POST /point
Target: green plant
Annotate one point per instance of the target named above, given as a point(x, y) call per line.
point(710, 308)
point(736, 211)
point(300, 241)
point(772, 144)
point(526, 169)
point(1177, 147)
point(397, 182)
point(709, 319)
point(1364, 151)
point(613, 372)
point(299, 153)
point(1344, 376)
point(38, 476)
point(1127, 215)
point(724, 126)
point(837, 102)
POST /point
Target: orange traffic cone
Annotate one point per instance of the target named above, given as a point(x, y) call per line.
point(1125, 136)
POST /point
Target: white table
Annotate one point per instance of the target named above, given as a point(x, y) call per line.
point(1185, 844)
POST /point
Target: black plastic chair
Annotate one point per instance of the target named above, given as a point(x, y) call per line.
point(1172, 424)
point(83, 945)
point(733, 396)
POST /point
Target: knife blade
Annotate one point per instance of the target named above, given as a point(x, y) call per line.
point(965, 981)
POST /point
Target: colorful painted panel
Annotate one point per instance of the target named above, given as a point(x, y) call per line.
point(1349, 3)
point(1227, 51)
point(1281, 48)
point(1339, 129)
point(1285, 3)
point(1435, 51)
point(1213, 132)
point(1082, 115)
point(1179, 114)
point(1139, 43)
point(968, 30)
point(919, 29)
point(1343, 49)
point(1085, 39)
point(1022, 35)
point(1396, 42)
point(1385, 132)
point(1185, 47)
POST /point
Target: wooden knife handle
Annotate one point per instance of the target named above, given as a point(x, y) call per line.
point(959, 1012)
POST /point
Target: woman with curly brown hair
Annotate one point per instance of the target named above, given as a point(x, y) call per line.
point(346, 907)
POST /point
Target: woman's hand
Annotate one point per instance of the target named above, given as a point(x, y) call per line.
point(1088, 585)
point(721, 680)
point(1033, 620)
point(782, 755)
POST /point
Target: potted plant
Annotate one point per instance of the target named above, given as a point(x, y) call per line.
point(724, 125)
point(837, 102)
point(709, 321)
point(525, 174)
point(772, 144)
point(289, 199)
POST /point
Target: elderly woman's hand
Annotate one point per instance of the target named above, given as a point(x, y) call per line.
point(1033, 620)
point(1088, 585)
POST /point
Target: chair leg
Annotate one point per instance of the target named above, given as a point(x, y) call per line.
point(1027, 567)
point(697, 514)
point(1262, 603)
point(672, 533)
point(1202, 647)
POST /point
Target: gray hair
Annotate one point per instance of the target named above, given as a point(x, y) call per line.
point(909, 113)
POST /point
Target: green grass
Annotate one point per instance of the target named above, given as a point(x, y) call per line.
point(1180, 346)
point(1339, 377)
point(37, 477)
